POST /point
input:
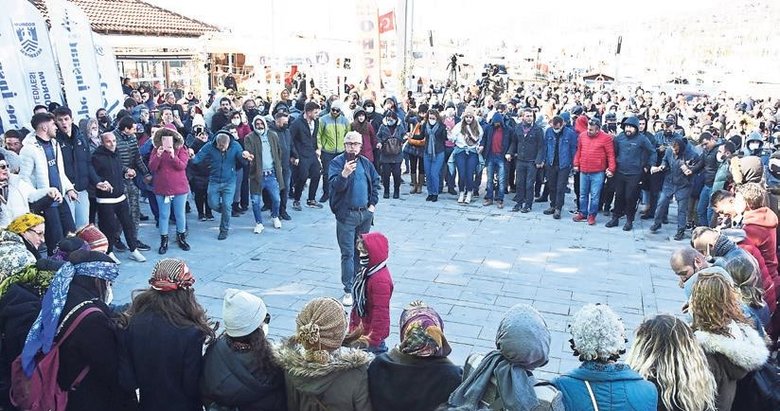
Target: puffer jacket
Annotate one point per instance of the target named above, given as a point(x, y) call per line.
point(379, 289)
point(615, 386)
point(232, 379)
point(760, 225)
point(595, 154)
point(34, 167)
point(170, 173)
point(222, 166)
point(340, 384)
point(385, 134)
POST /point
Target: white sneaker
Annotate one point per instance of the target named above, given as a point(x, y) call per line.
point(347, 299)
point(259, 228)
point(461, 197)
point(137, 256)
point(277, 222)
point(468, 198)
point(113, 257)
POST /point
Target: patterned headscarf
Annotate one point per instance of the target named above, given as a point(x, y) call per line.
point(44, 329)
point(171, 274)
point(422, 332)
point(13, 255)
point(25, 222)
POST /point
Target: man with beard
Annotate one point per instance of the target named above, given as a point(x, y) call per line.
point(663, 140)
point(633, 154)
point(222, 117)
point(304, 136)
point(677, 163)
point(709, 165)
point(280, 129)
point(561, 146)
point(595, 160)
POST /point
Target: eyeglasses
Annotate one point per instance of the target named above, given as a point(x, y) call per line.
point(38, 233)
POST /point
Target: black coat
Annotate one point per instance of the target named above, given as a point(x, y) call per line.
point(94, 343)
point(76, 159)
point(230, 378)
point(286, 144)
point(109, 168)
point(198, 174)
point(439, 138)
point(164, 362)
point(403, 382)
point(527, 146)
point(708, 165)
point(304, 141)
point(19, 307)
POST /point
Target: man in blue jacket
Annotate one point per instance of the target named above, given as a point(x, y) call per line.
point(677, 163)
point(560, 145)
point(354, 193)
point(634, 154)
point(225, 156)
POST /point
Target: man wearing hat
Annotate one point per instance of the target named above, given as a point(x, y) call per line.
point(280, 128)
point(330, 141)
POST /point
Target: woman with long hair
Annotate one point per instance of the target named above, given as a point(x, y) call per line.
point(168, 164)
point(466, 135)
point(746, 279)
point(166, 328)
point(391, 139)
point(239, 369)
point(665, 352)
point(435, 134)
point(362, 125)
point(733, 348)
point(414, 148)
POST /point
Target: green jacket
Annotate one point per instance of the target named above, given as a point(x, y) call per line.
point(331, 132)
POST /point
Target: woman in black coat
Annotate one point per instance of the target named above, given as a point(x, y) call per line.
point(435, 134)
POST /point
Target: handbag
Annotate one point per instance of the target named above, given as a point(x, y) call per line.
point(417, 139)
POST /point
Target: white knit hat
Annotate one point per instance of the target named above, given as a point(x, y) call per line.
point(242, 312)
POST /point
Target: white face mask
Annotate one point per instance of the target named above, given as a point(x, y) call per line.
point(432, 122)
point(754, 146)
point(236, 122)
point(369, 109)
point(109, 298)
point(391, 122)
point(719, 156)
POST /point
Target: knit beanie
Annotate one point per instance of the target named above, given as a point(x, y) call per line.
point(320, 328)
point(242, 312)
point(95, 238)
point(25, 222)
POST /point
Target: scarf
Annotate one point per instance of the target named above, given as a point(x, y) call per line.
point(361, 280)
point(422, 332)
point(41, 335)
point(430, 149)
point(523, 343)
point(171, 274)
point(3, 192)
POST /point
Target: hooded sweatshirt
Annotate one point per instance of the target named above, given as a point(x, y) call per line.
point(379, 289)
point(760, 225)
point(340, 384)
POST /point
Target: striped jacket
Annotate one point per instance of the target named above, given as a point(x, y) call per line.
point(127, 151)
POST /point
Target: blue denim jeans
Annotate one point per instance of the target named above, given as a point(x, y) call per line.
point(682, 195)
point(271, 187)
point(432, 165)
point(79, 209)
point(466, 163)
point(590, 192)
point(703, 209)
point(178, 203)
point(496, 165)
point(348, 229)
point(220, 200)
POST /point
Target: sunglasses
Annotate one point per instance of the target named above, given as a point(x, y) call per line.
point(335, 110)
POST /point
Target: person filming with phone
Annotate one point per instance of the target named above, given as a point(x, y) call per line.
point(354, 193)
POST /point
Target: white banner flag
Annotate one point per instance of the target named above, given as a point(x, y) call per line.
point(110, 82)
point(16, 105)
point(71, 36)
point(34, 52)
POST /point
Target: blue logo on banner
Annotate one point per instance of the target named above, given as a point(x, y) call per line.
point(27, 34)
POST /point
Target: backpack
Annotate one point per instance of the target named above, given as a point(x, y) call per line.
point(759, 390)
point(392, 147)
point(41, 392)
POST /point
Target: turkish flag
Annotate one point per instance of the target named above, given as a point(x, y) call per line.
point(387, 22)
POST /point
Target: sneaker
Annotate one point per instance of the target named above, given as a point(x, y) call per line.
point(259, 228)
point(606, 213)
point(516, 208)
point(500, 204)
point(468, 199)
point(143, 217)
point(210, 217)
point(540, 200)
point(649, 216)
point(549, 211)
point(119, 246)
point(461, 197)
point(612, 223)
point(487, 202)
point(313, 204)
point(277, 222)
point(557, 214)
point(525, 210)
point(452, 191)
point(113, 257)
point(141, 246)
point(297, 206)
point(202, 218)
point(222, 235)
point(578, 218)
point(347, 300)
point(235, 213)
point(285, 216)
point(434, 198)
point(680, 235)
point(137, 256)
point(592, 219)
point(655, 227)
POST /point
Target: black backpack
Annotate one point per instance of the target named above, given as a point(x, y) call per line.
point(392, 147)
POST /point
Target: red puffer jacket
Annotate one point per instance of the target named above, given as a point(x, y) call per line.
point(379, 289)
point(595, 154)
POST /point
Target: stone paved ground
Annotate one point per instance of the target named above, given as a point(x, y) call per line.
point(471, 263)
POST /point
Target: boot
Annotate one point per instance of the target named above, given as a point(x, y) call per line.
point(163, 244)
point(181, 238)
point(387, 192)
point(396, 192)
point(414, 184)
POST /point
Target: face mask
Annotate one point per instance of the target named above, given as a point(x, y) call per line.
point(753, 146)
point(391, 122)
point(719, 156)
point(432, 122)
point(109, 295)
point(364, 260)
point(369, 109)
point(260, 130)
point(236, 122)
point(93, 133)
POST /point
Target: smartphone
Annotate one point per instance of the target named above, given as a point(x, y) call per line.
point(350, 156)
point(176, 113)
point(167, 142)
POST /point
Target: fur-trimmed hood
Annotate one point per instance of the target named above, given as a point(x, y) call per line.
point(316, 378)
point(178, 140)
point(745, 349)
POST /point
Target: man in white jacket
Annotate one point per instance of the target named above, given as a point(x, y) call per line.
point(43, 168)
point(18, 197)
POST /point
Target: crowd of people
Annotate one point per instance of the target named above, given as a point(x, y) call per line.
point(68, 192)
